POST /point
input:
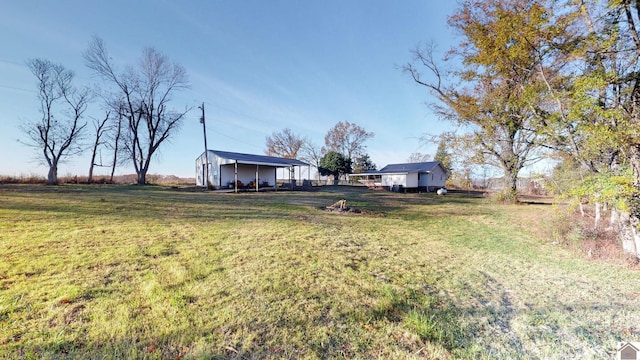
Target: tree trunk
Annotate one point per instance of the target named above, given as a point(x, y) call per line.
point(629, 235)
point(615, 218)
point(139, 166)
point(52, 177)
point(630, 221)
point(116, 141)
point(93, 163)
point(510, 190)
point(113, 170)
point(597, 216)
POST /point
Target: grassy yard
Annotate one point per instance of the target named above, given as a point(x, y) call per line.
point(149, 272)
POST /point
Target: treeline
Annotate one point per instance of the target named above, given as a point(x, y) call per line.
point(343, 152)
point(554, 79)
point(155, 179)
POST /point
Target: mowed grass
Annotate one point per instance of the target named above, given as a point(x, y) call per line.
point(150, 272)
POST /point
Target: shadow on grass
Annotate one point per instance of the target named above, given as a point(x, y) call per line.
point(427, 316)
point(154, 202)
point(481, 330)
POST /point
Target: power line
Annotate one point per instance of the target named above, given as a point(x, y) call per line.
point(232, 138)
point(17, 89)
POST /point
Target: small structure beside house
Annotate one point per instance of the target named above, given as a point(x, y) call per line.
point(423, 176)
point(229, 170)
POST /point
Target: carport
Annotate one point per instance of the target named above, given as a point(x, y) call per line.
point(230, 170)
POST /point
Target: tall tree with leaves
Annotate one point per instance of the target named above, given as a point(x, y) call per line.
point(577, 119)
point(443, 155)
point(59, 132)
point(612, 78)
point(498, 99)
point(348, 139)
point(143, 97)
point(335, 164)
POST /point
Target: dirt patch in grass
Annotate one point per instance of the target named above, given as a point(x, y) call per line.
point(341, 207)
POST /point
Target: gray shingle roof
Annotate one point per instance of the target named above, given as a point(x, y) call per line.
point(258, 159)
point(409, 167)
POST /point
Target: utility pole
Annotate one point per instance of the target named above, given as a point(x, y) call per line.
point(206, 150)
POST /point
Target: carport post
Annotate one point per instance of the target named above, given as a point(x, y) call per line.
point(236, 176)
point(257, 172)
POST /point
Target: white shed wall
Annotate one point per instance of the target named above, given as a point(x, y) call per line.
point(434, 179)
point(412, 180)
point(201, 170)
point(437, 178)
point(394, 179)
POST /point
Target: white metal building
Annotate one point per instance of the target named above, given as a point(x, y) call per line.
point(427, 176)
point(229, 170)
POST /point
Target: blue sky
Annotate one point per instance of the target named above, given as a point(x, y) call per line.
point(259, 67)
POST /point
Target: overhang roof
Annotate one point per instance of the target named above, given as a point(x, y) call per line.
point(423, 167)
point(258, 159)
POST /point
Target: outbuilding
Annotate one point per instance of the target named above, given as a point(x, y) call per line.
point(422, 176)
point(230, 170)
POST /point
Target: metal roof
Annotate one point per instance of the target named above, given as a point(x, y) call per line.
point(402, 168)
point(258, 159)
point(409, 167)
point(423, 167)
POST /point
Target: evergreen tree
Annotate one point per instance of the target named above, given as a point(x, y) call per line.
point(334, 163)
point(443, 156)
point(363, 164)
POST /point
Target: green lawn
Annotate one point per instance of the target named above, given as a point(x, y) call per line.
point(149, 272)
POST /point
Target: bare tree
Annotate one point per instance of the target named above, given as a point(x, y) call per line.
point(348, 139)
point(101, 129)
point(418, 157)
point(59, 132)
point(117, 135)
point(145, 91)
point(285, 144)
point(312, 154)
